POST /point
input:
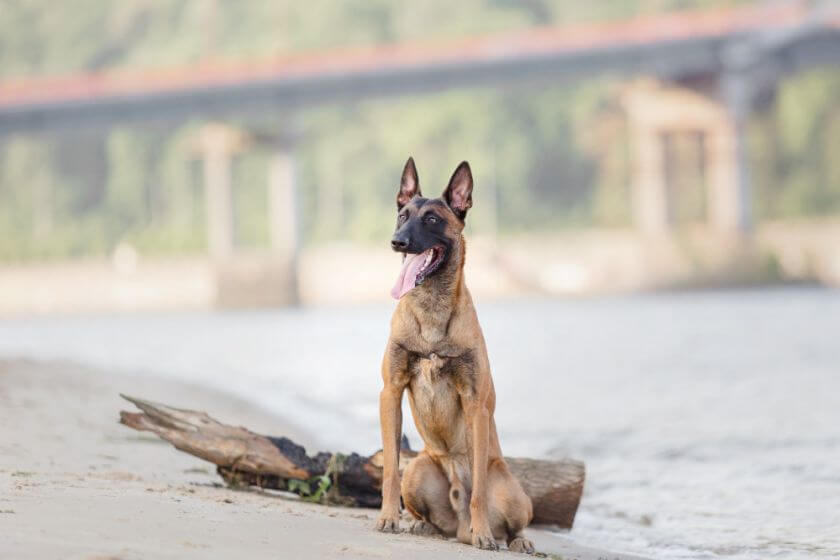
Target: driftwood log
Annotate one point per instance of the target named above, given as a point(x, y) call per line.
point(245, 458)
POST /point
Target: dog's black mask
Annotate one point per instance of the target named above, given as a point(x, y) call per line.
point(422, 229)
point(426, 227)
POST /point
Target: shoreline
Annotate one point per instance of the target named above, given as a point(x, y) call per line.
point(580, 262)
point(82, 486)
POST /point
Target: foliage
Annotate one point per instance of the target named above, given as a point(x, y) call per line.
point(73, 194)
point(804, 171)
point(303, 488)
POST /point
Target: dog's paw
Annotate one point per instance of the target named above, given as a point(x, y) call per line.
point(484, 540)
point(420, 527)
point(521, 544)
point(388, 522)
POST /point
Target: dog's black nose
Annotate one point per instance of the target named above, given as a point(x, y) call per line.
point(399, 243)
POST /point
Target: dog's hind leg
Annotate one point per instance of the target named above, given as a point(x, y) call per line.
point(425, 492)
point(509, 508)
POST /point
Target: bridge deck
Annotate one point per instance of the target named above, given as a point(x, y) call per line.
point(680, 42)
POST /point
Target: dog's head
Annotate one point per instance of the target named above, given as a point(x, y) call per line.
point(428, 228)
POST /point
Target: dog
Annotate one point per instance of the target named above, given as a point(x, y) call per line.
point(459, 485)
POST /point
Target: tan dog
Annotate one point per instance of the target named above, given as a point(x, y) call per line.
point(459, 485)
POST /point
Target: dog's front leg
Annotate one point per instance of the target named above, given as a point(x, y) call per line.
point(390, 418)
point(394, 376)
point(482, 537)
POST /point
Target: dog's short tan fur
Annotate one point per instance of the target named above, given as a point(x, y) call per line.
point(459, 485)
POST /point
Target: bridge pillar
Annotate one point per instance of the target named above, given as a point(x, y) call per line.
point(654, 110)
point(737, 94)
point(283, 213)
point(250, 278)
point(217, 144)
point(650, 208)
point(724, 202)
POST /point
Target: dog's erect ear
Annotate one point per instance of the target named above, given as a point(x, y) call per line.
point(409, 184)
point(458, 194)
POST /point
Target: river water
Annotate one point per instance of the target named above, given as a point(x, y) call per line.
point(709, 421)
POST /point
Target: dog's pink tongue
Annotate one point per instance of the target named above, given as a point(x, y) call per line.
point(408, 275)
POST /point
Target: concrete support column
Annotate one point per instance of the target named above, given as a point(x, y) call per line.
point(653, 109)
point(283, 217)
point(650, 205)
point(723, 199)
point(217, 145)
point(250, 278)
point(282, 203)
point(737, 97)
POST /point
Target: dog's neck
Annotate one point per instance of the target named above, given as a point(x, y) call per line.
point(437, 298)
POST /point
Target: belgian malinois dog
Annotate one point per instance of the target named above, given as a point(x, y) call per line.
point(459, 485)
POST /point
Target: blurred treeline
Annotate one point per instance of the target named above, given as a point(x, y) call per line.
point(545, 156)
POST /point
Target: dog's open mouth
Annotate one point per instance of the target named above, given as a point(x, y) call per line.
point(415, 269)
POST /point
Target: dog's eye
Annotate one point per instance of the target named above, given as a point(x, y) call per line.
point(401, 218)
point(431, 219)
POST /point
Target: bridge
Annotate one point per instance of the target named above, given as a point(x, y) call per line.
point(705, 72)
point(758, 44)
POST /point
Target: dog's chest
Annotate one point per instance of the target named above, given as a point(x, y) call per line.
point(435, 390)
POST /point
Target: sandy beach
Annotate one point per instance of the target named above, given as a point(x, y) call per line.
point(78, 485)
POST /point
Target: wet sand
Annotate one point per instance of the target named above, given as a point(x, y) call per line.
point(78, 485)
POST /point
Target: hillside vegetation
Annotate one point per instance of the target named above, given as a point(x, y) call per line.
point(538, 161)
